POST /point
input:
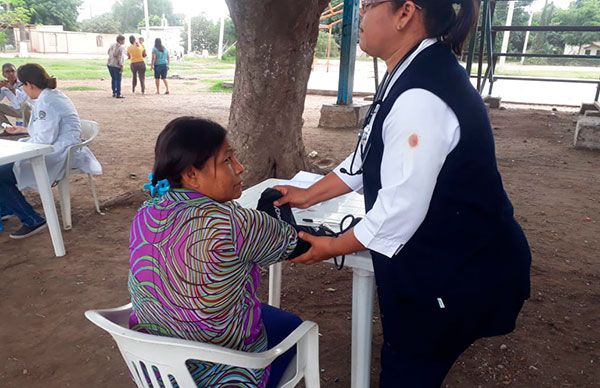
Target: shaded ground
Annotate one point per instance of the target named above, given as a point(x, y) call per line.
point(46, 342)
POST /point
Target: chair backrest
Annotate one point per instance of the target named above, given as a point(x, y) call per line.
point(89, 131)
point(152, 358)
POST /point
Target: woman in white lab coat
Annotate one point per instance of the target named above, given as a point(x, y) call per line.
point(54, 120)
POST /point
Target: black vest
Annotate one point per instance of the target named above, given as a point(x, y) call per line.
point(469, 250)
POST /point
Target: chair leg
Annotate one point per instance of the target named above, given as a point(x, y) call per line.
point(93, 187)
point(311, 373)
point(65, 202)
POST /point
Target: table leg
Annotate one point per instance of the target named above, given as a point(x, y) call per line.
point(43, 182)
point(275, 285)
point(363, 288)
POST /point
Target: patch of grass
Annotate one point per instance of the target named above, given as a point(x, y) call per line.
point(80, 88)
point(217, 87)
point(220, 66)
point(72, 69)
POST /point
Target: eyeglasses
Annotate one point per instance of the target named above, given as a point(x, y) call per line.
point(368, 4)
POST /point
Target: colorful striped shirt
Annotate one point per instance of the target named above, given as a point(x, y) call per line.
point(194, 272)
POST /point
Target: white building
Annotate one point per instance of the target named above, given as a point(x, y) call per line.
point(54, 40)
point(584, 49)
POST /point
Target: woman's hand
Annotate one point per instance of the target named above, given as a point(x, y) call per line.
point(295, 196)
point(15, 130)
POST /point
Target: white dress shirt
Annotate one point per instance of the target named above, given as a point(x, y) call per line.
point(17, 99)
point(419, 133)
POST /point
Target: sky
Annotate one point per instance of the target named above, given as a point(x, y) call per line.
point(211, 8)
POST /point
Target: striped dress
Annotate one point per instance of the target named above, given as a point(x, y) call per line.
point(194, 272)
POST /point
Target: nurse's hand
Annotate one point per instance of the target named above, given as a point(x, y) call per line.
point(319, 250)
point(295, 196)
point(323, 248)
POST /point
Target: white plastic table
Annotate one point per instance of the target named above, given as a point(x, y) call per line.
point(13, 151)
point(363, 280)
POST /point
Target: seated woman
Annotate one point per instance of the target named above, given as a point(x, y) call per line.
point(54, 121)
point(196, 256)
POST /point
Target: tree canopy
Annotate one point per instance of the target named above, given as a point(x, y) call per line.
point(205, 34)
point(129, 14)
point(102, 24)
point(59, 12)
point(13, 13)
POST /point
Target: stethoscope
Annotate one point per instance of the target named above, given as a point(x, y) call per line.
point(363, 143)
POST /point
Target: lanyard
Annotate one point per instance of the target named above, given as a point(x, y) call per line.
point(363, 142)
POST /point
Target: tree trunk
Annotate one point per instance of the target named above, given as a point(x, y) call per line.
point(275, 48)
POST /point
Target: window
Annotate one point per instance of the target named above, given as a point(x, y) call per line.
point(99, 42)
point(588, 52)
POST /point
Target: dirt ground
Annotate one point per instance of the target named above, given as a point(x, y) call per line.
point(45, 341)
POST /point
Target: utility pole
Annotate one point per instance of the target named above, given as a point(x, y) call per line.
point(527, 34)
point(146, 20)
point(221, 33)
point(189, 35)
point(506, 37)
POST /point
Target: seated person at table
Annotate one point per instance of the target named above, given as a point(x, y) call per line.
point(54, 121)
point(196, 256)
point(17, 106)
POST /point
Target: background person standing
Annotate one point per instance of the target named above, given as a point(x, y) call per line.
point(116, 60)
point(160, 64)
point(136, 54)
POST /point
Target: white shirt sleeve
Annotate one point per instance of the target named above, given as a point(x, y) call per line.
point(355, 182)
point(419, 133)
point(4, 93)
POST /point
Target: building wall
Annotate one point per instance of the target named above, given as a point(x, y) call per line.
point(590, 50)
point(67, 42)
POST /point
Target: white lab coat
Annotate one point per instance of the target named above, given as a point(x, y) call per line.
point(54, 121)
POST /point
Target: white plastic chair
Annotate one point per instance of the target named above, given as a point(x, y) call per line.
point(168, 355)
point(89, 131)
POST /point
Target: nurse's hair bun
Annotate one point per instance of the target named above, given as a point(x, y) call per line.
point(51, 83)
point(35, 74)
point(444, 22)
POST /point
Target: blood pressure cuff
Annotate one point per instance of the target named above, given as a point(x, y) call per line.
point(284, 213)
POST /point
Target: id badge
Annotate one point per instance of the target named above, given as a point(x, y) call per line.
point(364, 137)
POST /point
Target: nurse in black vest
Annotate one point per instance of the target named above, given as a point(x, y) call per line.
point(451, 263)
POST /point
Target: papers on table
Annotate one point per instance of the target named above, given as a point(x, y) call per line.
point(329, 212)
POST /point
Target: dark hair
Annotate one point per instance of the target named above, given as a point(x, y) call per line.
point(186, 141)
point(443, 22)
point(6, 66)
point(158, 45)
point(120, 38)
point(131, 39)
point(36, 75)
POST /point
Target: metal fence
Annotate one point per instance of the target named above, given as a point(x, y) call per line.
point(486, 34)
